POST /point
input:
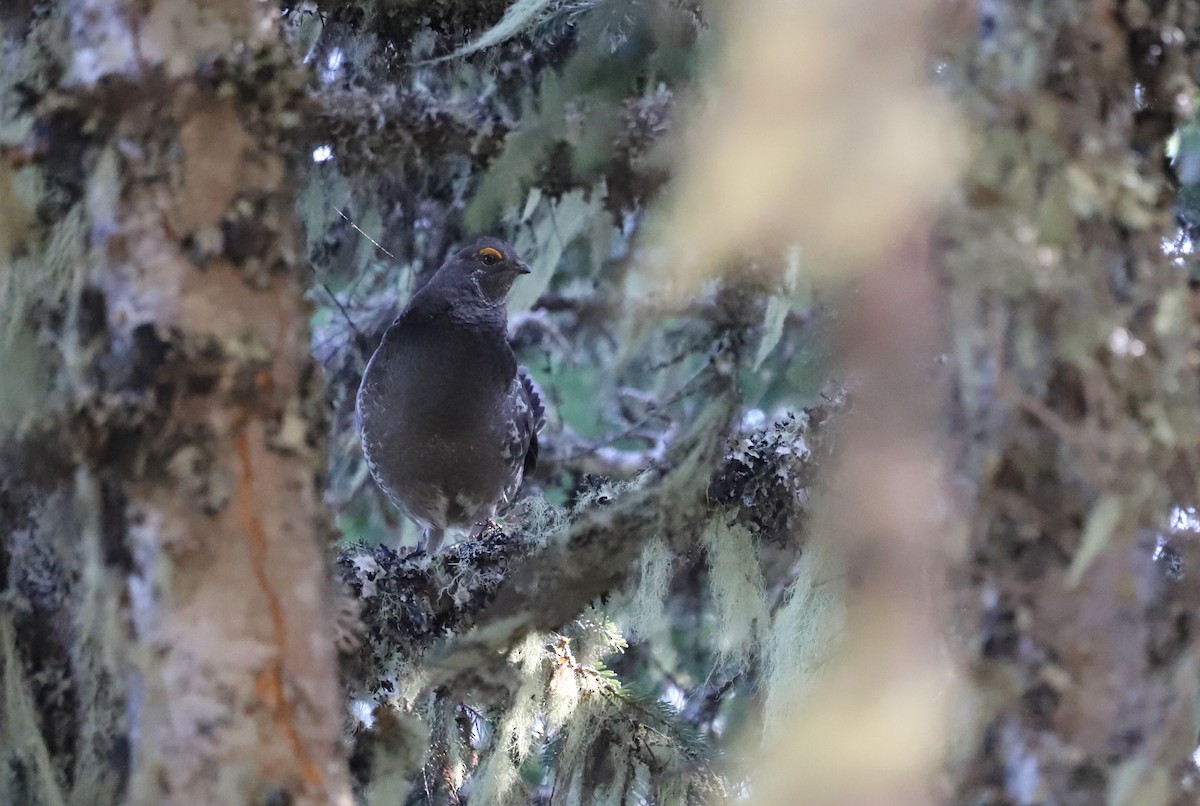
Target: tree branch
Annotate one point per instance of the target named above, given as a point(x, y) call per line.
point(490, 592)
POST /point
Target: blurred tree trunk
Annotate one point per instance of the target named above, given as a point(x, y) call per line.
point(1073, 351)
point(164, 525)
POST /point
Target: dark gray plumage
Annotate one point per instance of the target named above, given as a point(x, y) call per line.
point(448, 421)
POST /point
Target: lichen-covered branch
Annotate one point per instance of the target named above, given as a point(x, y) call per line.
point(491, 592)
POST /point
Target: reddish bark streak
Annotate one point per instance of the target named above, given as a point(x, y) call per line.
point(268, 685)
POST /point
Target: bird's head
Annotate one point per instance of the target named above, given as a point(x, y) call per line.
point(490, 265)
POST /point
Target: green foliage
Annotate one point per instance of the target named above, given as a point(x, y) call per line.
point(571, 128)
point(553, 225)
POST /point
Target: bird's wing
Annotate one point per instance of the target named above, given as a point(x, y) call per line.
point(530, 417)
point(531, 455)
point(534, 397)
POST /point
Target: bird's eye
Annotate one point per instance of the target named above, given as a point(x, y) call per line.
point(490, 256)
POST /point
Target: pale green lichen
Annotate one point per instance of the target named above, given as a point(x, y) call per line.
point(512, 740)
point(736, 582)
point(646, 616)
point(804, 633)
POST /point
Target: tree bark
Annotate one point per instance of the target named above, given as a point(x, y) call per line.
point(1075, 398)
point(191, 431)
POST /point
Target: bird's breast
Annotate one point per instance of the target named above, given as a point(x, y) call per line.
point(436, 396)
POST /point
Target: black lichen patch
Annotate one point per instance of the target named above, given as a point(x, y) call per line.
point(408, 601)
point(767, 472)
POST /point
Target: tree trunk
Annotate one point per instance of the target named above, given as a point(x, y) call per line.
point(189, 441)
point(1073, 350)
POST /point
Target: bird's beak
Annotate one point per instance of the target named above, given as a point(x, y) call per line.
point(523, 268)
